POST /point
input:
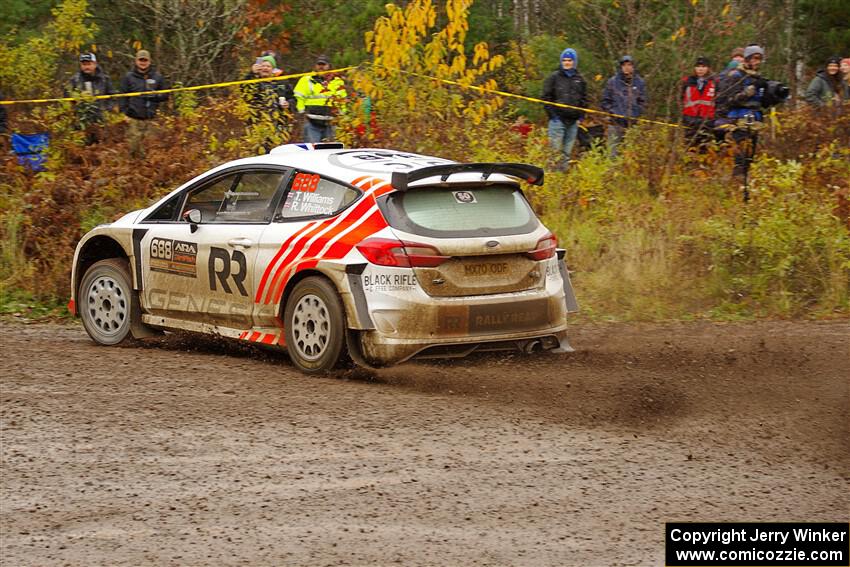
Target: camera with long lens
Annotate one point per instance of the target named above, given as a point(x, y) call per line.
point(775, 92)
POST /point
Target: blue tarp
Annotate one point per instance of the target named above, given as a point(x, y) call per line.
point(31, 149)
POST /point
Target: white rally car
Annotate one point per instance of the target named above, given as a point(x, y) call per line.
point(373, 255)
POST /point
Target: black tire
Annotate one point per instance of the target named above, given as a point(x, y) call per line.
point(314, 323)
point(107, 302)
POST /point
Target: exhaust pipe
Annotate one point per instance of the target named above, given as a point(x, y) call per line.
point(531, 346)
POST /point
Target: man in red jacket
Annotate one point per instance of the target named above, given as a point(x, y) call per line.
point(698, 92)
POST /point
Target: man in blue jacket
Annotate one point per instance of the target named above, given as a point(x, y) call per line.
point(625, 96)
point(565, 86)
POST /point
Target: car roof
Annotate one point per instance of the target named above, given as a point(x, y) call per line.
point(349, 165)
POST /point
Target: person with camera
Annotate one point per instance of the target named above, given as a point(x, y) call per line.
point(270, 102)
point(743, 96)
point(141, 109)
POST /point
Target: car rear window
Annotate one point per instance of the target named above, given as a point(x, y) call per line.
point(460, 211)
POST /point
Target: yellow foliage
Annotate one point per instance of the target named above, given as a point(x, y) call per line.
point(69, 30)
point(408, 53)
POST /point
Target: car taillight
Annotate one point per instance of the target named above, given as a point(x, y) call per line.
point(545, 248)
point(391, 252)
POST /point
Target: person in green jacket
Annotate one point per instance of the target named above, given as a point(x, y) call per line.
point(318, 99)
point(826, 87)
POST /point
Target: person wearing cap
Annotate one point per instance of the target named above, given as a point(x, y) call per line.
point(90, 80)
point(141, 109)
point(271, 101)
point(565, 86)
point(698, 92)
point(736, 59)
point(318, 98)
point(625, 97)
point(276, 72)
point(739, 107)
point(826, 88)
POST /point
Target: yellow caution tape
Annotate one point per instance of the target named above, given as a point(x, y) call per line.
point(340, 70)
point(532, 99)
point(174, 90)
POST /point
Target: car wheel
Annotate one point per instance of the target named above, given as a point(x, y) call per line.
point(314, 323)
point(107, 302)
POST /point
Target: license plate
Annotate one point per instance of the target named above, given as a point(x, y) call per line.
point(486, 269)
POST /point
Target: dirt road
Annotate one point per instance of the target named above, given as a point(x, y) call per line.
point(190, 452)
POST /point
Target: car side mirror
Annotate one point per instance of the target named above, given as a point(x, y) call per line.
point(193, 217)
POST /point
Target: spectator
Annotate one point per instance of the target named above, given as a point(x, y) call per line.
point(4, 125)
point(270, 101)
point(826, 87)
point(318, 98)
point(89, 81)
point(565, 86)
point(737, 59)
point(845, 78)
point(276, 72)
point(698, 92)
point(625, 96)
point(141, 109)
point(740, 104)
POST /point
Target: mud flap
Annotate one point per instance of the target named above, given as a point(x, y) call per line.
point(355, 283)
point(355, 351)
point(569, 294)
point(564, 347)
point(138, 329)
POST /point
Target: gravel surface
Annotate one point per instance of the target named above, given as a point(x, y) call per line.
point(190, 451)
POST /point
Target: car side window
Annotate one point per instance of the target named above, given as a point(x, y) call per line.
point(208, 200)
point(249, 201)
point(237, 198)
point(166, 211)
point(311, 195)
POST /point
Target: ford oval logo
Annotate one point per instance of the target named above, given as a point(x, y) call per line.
point(491, 243)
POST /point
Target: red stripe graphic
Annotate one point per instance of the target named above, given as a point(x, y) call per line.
point(276, 258)
point(315, 245)
point(299, 251)
point(270, 268)
point(328, 230)
point(335, 248)
point(293, 252)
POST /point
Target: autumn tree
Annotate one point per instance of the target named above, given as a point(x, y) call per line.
point(38, 57)
point(410, 54)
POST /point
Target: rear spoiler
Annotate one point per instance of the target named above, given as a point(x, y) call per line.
point(532, 174)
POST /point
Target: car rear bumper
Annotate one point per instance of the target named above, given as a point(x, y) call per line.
point(398, 320)
point(379, 350)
